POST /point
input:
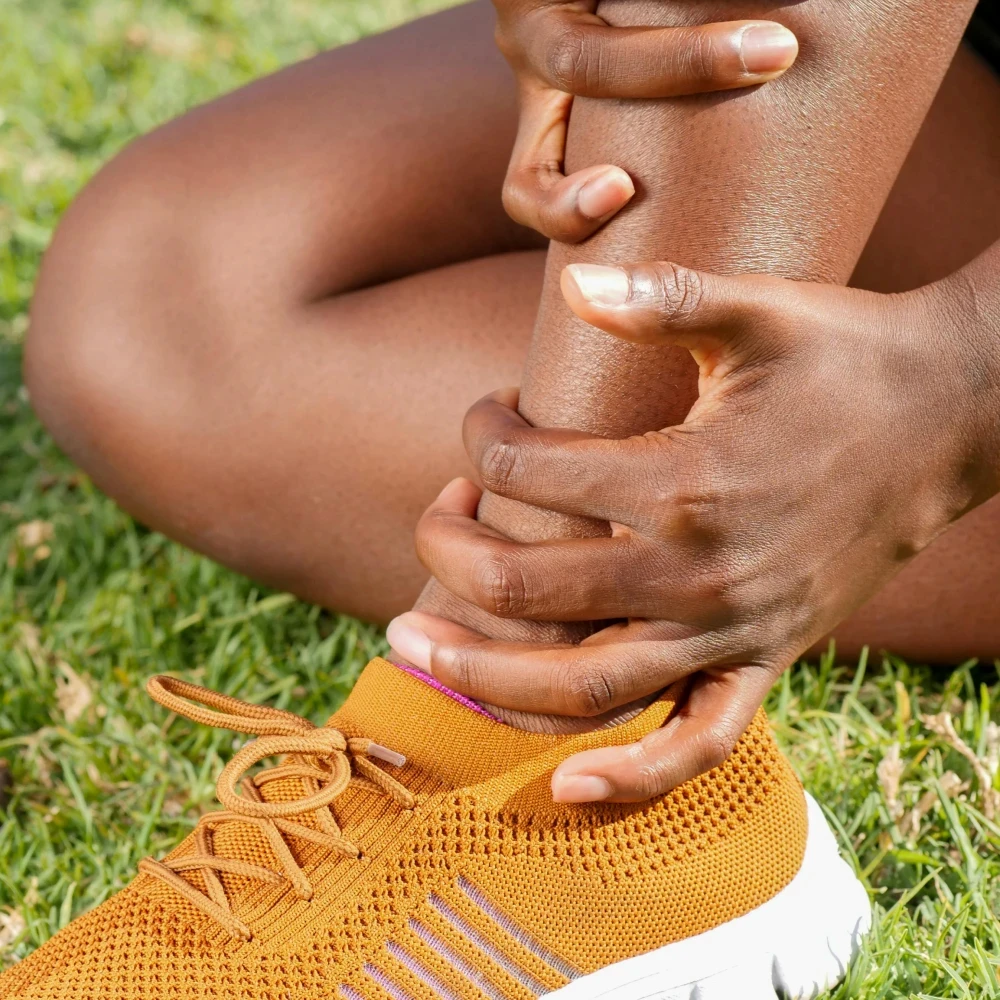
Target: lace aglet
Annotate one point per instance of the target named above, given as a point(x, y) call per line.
point(384, 753)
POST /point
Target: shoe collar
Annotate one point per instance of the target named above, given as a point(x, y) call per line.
point(462, 747)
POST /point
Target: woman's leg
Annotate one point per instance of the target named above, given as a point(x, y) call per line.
point(943, 211)
point(187, 270)
point(787, 179)
point(260, 326)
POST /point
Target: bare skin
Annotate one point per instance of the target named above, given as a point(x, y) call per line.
point(743, 566)
point(560, 49)
point(322, 258)
point(364, 261)
point(827, 141)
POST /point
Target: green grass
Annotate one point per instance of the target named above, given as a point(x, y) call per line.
point(91, 603)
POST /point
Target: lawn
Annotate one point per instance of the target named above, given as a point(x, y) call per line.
point(91, 603)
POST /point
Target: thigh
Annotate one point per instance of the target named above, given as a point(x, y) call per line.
point(259, 327)
point(944, 209)
point(361, 165)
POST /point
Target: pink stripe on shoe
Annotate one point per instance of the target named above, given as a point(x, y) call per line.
point(447, 691)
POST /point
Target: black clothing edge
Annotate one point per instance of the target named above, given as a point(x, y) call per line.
point(983, 33)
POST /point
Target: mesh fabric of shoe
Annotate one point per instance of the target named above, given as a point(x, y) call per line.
point(485, 888)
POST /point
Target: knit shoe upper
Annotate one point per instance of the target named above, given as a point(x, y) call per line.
point(343, 872)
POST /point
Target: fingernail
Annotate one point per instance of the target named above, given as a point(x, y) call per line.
point(605, 286)
point(580, 788)
point(767, 48)
point(605, 193)
point(411, 644)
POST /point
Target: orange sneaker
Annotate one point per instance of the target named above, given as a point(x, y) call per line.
point(410, 850)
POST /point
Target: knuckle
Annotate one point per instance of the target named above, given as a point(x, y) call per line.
point(528, 198)
point(590, 691)
point(468, 670)
point(688, 494)
point(648, 781)
point(728, 588)
point(695, 60)
point(664, 495)
point(733, 585)
point(431, 537)
point(713, 581)
point(681, 291)
point(566, 61)
point(423, 542)
point(500, 465)
point(703, 495)
point(716, 746)
point(516, 198)
point(701, 58)
point(499, 586)
point(461, 671)
point(506, 40)
point(698, 511)
point(651, 774)
point(561, 223)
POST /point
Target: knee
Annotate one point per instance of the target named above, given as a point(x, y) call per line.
point(112, 306)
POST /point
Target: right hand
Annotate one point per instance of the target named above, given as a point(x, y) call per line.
point(559, 49)
point(836, 434)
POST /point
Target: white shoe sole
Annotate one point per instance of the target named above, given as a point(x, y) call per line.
point(795, 945)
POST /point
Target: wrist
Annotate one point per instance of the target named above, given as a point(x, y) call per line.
point(968, 309)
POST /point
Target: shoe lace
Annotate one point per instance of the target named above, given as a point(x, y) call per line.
point(321, 758)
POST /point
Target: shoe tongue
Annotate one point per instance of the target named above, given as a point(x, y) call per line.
point(460, 745)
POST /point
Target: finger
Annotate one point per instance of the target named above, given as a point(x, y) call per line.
point(559, 679)
point(538, 195)
point(663, 303)
point(563, 470)
point(717, 710)
point(575, 579)
point(580, 54)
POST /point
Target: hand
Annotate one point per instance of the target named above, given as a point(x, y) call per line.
point(559, 49)
point(836, 434)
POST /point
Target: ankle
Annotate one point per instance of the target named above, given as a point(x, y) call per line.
point(438, 601)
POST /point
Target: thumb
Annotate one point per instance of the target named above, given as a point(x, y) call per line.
point(537, 194)
point(662, 303)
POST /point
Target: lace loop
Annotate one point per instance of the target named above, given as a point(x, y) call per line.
point(240, 716)
point(320, 758)
point(318, 744)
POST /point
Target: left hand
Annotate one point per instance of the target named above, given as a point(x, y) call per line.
point(559, 49)
point(836, 434)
